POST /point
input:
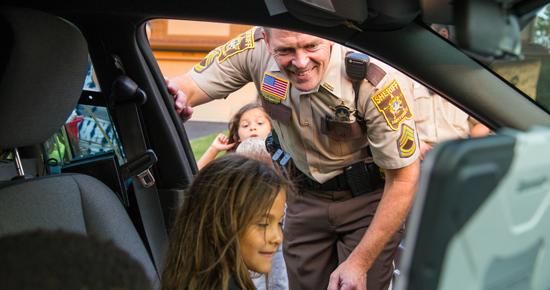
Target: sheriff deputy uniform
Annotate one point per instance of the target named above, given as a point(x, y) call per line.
point(328, 136)
point(437, 119)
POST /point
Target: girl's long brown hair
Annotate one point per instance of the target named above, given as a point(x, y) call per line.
point(236, 120)
point(223, 200)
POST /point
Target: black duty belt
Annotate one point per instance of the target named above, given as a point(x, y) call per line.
point(336, 183)
point(359, 178)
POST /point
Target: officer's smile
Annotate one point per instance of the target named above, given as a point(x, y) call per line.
point(304, 75)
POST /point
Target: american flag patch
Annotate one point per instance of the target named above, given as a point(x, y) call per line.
point(274, 88)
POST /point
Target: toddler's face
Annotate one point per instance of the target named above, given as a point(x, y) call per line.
point(261, 239)
point(254, 123)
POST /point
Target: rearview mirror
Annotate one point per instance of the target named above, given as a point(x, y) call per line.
point(487, 28)
point(328, 13)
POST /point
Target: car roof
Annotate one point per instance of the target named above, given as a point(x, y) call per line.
point(409, 46)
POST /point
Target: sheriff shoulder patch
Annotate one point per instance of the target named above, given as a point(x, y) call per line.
point(207, 60)
point(406, 143)
point(391, 102)
point(274, 88)
point(236, 45)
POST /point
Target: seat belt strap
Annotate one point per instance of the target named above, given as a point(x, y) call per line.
point(127, 97)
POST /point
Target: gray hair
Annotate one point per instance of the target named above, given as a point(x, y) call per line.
point(254, 148)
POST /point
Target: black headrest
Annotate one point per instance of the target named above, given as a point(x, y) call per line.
point(42, 71)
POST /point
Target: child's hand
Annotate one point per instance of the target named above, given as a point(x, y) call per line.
point(221, 143)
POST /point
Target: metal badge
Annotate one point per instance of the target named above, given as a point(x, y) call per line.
point(342, 112)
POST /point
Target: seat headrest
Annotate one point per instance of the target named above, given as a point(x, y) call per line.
point(42, 71)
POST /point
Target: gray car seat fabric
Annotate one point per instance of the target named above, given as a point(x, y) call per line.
point(44, 65)
point(42, 68)
point(70, 202)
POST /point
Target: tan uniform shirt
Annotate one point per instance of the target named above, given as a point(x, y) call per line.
point(437, 119)
point(390, 127)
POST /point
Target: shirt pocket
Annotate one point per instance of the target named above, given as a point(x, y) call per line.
point(423, 108)
point(458, 118)
point(344, 148)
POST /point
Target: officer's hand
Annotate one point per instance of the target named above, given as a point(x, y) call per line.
point(424, 149)
point(348, 276)
point(180, 100)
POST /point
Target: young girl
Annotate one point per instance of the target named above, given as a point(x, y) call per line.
point(250, 121)
point(230, 224)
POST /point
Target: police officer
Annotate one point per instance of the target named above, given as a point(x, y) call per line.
point(439, 120)
point(343, 226)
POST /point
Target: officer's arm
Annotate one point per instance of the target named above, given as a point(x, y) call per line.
point(390, 215)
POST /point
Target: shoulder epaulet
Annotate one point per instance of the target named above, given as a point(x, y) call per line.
point(375, 74)
point(258, 33)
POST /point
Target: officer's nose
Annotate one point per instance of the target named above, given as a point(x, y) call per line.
point(301, 59)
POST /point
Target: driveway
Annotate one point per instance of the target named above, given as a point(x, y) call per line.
point(197, 129)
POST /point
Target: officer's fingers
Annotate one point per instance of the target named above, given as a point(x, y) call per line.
point(347, 287)
point(186, 113)
point(180, 100)
point(179, 106)
point(172, 89)
point(334, 281)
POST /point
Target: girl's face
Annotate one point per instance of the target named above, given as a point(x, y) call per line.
point(254, 123)
point(261, 239)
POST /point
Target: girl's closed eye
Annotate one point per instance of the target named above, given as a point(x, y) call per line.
point(262, 222)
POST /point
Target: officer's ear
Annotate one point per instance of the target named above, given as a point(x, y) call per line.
point(265, 36)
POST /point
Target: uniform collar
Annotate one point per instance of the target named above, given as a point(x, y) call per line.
point(273, 66)
point(332, 79)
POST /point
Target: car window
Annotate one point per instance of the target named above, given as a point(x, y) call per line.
point(87, 133)
point(529, 73)
point(179, 45)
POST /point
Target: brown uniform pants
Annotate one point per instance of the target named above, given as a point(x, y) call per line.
point(322, 229)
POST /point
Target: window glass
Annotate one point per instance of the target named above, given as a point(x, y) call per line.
point(88, 131)
point(180, 46)
point(531, 73)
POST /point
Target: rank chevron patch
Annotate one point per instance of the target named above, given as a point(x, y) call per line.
point(406, 142)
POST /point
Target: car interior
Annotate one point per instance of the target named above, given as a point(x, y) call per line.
point(71, 202)
point(68, 63)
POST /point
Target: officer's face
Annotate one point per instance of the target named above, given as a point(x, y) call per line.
point(303, 58)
